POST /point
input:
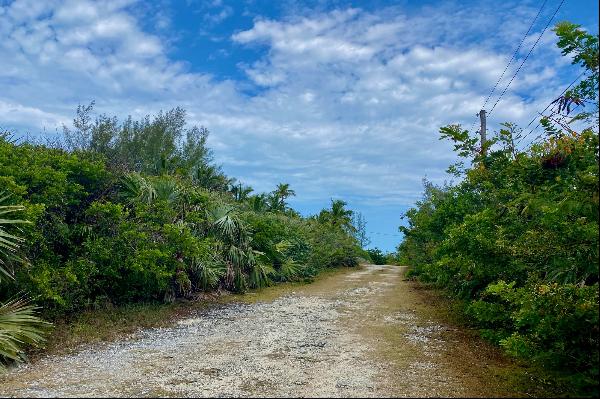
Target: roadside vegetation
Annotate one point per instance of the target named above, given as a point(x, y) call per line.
point(378, 257)
point(120, 213)
point(517, 237)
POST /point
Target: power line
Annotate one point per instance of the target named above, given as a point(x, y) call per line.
point(563, 92)
point(526, 57)
point(531, 131)
point(514, 54)
point(548, 106)
point(511, 59)
point(384, 234)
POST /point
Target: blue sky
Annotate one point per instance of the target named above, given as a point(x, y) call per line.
point(341, 99)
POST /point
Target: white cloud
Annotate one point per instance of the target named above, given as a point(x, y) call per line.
point(219, 16)
point(19, 114)
point(349, 104)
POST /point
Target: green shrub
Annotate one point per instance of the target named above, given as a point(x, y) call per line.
point(527, 217)
point(107, 232)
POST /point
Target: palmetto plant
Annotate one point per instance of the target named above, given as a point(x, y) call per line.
point(19, 325)
point(9, 243)
point(259, 202)
point(166, 189)
point(288, 269)
point(134, 187)
point(226, 223)
point(260, 273)
point(211, 178)
point(236, 250)
point(208, 272)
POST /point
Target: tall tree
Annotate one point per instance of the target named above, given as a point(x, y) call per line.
point(158, 145)
point(240, 192)
point(360, 227)
point(281, 193)
point(339, 214)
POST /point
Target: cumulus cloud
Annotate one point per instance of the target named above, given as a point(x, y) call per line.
point(347, 102)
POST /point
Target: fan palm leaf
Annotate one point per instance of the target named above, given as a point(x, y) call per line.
point(289, 270)
point(134, 187)
point(9, 243)
point(225, 222)
point(19, 326)
point(208, 273)
point(259, 275)
point(166, 189)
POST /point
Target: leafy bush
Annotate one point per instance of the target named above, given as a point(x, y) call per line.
point(377, 256)
point(517, 238)
point(114, 222)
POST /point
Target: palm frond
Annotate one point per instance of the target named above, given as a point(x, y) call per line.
point(166, 189)
point(19, 326)
point(134, 187)
point(208, 272)
point(260, 273)
point(289, 270)
point(225, 222)
point(9, 243)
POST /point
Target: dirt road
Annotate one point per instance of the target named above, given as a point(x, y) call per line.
point(360, 332)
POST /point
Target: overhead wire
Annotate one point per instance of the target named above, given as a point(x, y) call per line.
point(512, 58)
point(526, 57)
point(384, 234)
point(544, 110)
point(514, 54)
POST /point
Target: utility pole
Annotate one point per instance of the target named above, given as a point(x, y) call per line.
point(482, 130)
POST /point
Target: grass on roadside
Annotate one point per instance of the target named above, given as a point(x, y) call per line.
point(112, 323)
point(109, 324)
point(517, 374)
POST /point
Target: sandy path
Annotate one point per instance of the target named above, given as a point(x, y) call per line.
point(362, 332)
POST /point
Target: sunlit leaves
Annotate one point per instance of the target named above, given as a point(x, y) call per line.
point(19, 326)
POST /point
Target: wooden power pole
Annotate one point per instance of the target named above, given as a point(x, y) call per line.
point(482, 130)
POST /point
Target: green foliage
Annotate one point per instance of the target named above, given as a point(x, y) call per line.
point(517, 238)
point(19, 326)
point(260, 274)
point(211, 177)
point(331, 246)
point(154, 146)
point(464, 145)
point(583, 47)
point(135, 212)
point(207, 273)
point(9, 243)
point(377, 256)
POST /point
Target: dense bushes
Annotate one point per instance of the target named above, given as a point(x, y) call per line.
point(517, 238)
point(378, 257)
point(137, 212)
